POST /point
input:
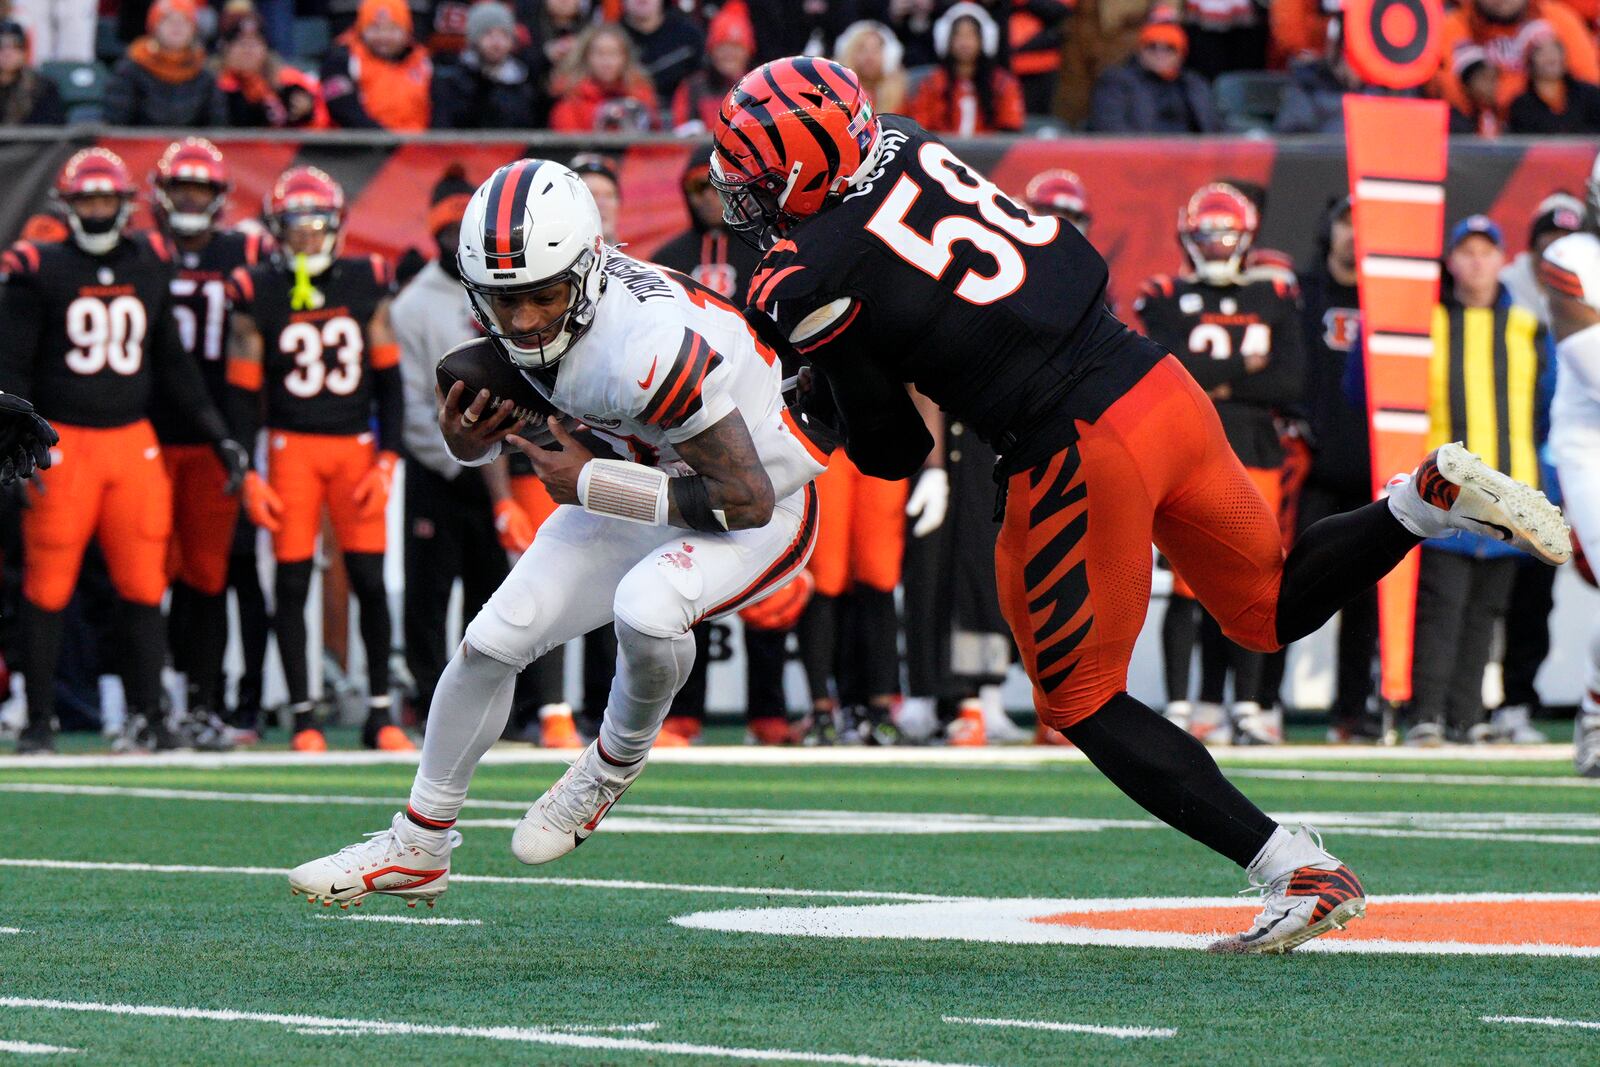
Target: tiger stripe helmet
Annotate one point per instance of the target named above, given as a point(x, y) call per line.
point(196, 161)
point(792, 136)
point(306, 198)
point(95, 172)
point(1216, 228)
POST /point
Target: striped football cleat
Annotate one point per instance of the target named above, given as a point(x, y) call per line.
point(1313, 894)
point(571, 810)
point(395, 862)
point(1452, 489)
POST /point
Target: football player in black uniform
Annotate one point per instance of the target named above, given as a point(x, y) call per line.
point(91, 338)
point(1238, 336)
point(188, 192)
point(890, 261)
point(310, 330)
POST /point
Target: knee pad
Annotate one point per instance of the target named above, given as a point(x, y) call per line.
point(509, 628)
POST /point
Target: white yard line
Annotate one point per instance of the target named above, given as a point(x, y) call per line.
point(795, 756)
point(523, 1034)
point(494, 879)
point(1413, 778)
point(10, 929)
point(404, 920)
point(25, 1048)
point(1529, 1020)
point(1070, 1028)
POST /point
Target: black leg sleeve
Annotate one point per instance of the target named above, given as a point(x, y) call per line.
point(819, 641)
point(41, 650)
point(144, 652)
point(765, 654)
point(1333, 561)
point(377, 628)
point(1179, 628)
point(1528, 629)
point(877, 643)
point(1214, 660)
point(180, 625)
point(1172, 776)
point(207, 642)
point(254, 623)
point(290, 589)
point(1444, 583)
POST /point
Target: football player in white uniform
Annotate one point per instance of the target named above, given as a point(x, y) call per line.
point(1570, 273)
point(714, 511)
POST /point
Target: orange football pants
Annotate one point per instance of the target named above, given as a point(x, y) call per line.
point(531, 495)
point(308, 470)
point(861, 535)
point(1073, 558)
point(203, 518)
point(1269, 482)
point(106, 483)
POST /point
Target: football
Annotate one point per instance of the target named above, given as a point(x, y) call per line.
point(479, 365)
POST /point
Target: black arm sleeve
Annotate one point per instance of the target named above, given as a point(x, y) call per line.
point(178, 378)
point(24, 319)
point(390, 392)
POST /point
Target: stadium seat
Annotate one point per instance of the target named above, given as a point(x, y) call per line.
point(85, 115)
point(108, 47)
point(311, 38)
point(1249, 99)
point(81, 84)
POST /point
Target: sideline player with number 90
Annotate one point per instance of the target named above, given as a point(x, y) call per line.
point(309, 346)
point(889, 262)
point(91, 340)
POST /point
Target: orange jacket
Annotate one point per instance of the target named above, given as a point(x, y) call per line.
point(579, 108)
point(1506, 47)
point(1298, 28)
point(392, 93)
point(932, 110)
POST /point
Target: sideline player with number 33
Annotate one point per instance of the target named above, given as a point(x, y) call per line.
point(310, 330)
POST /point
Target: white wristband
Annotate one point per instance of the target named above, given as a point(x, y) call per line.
point(618, 489)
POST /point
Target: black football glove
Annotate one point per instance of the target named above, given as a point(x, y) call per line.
point(235, 462)
point(25, 439)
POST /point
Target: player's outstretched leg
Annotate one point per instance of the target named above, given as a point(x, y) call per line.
point(650, 669)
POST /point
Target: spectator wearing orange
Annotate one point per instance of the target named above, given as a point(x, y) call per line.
point(1556, 102)
point(1480, 84)
point(609, 90)
point(970, 92)
point(873, 51)
point(376, 75)
point(1152, 92)
point(163, 80)
point(1034, 30)
point(27, 98)
point(730, 42)
point(1501, 28)
point(260, 89)
point(1297, 30)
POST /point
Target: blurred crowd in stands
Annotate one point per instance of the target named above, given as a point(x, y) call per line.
point(968, 67)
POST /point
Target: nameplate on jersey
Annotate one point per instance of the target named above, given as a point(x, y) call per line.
point(643, 283)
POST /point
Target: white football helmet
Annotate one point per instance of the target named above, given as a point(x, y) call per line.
point(532, 225)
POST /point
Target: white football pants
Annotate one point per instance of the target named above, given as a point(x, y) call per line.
point(1577, 454)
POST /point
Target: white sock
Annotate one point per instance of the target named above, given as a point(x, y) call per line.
point(470, 707)
point(1285, 853)
point(650, 670)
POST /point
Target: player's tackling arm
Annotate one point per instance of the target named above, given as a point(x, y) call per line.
point(733, 485)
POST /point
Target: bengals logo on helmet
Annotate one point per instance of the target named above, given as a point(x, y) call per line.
point(790, 135)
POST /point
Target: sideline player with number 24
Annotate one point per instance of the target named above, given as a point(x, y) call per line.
point(889, 261)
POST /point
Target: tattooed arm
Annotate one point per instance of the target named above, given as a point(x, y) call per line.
point(733, 480)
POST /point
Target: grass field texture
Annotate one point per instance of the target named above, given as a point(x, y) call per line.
point(824, 914)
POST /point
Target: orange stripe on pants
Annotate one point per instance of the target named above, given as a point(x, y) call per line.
point(1073, 558)
point(109, 484)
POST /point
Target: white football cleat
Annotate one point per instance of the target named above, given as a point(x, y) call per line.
point(393, 862)
point(571, 810)
point(1452, 489)
point(1586, 744)
point(1305, 892)
point(1209, 724)
point(1255, 725)
point(1513, 725)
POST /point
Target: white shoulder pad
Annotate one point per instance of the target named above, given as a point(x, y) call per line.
point(1572, 265)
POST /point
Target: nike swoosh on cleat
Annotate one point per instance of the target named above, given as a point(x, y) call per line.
point(333, 889)
point(644, 383)
point(1501, 532)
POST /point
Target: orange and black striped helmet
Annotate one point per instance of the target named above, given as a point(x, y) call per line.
point(792, 135)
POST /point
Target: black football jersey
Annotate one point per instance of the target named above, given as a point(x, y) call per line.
point(200, 306)
point(317, 369)
point(87, 335)
point(1214, 330)
point(995, 314)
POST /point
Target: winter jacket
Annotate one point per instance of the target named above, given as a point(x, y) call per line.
point(588, 106)
point(1506, 45)
point(1129, 99)
point(276, 101)
point(365, 91)
point(468, 97)
point(671, 53)
point(1313, 101)
point(1580, 112)
point(150, 87)
point(31, 100)
point(934, 110)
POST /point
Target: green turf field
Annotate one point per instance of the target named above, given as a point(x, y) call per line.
point(581, 962)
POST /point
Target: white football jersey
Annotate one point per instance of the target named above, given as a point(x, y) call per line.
point(662, 363)
point(1572, 265)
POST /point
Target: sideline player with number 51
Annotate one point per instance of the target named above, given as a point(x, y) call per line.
point(310, 330)
point(890, 261)
point(91, 339)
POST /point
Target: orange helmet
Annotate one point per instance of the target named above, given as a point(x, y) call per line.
point(1059, 192)
point(191, 161)
point(95, 172)
point(791, 135)
point(306, 199)
point(1216, 228)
